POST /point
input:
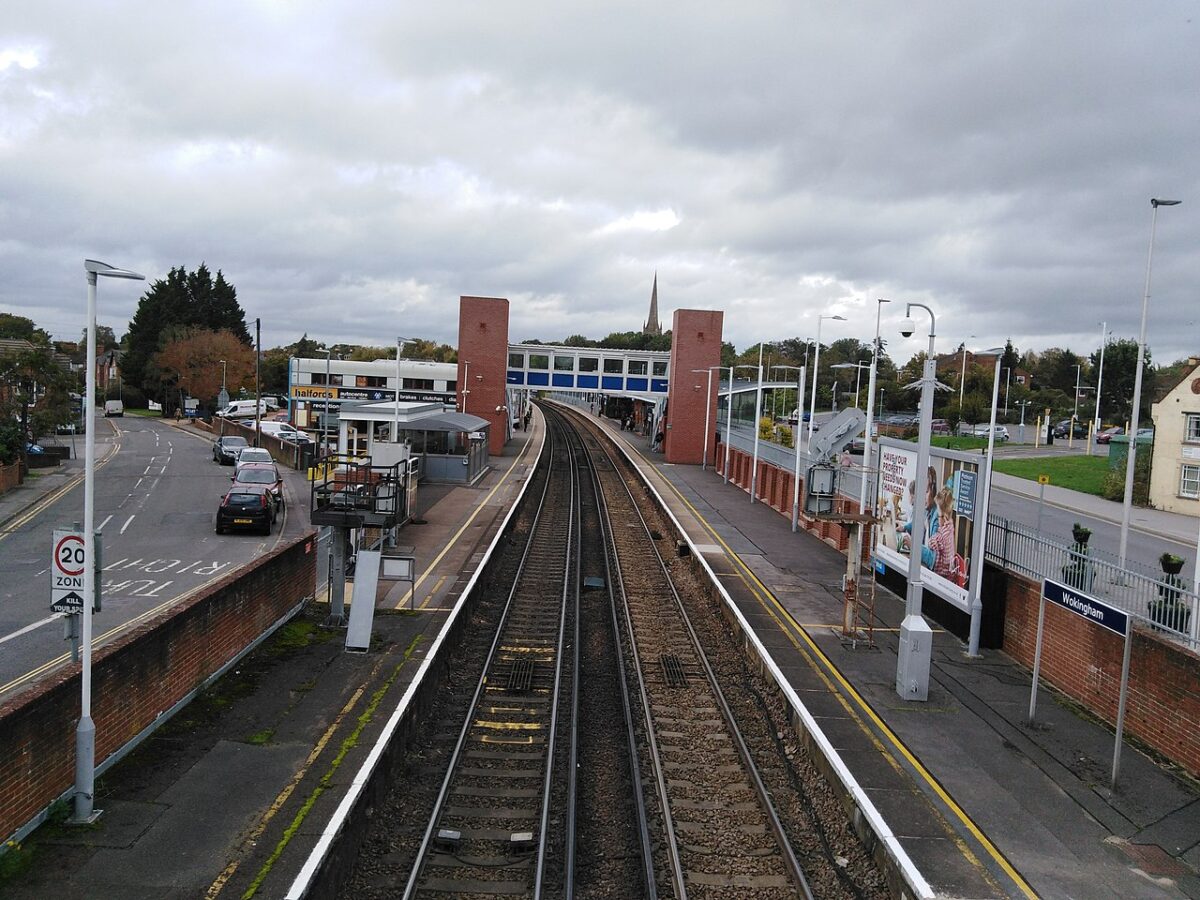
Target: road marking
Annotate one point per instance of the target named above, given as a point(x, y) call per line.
point(127, 521)
point(137, 484)
point(100, 527)
point(28, 628)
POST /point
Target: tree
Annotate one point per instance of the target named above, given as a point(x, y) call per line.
point(190, 361)
point(22, 329)
point(1056, 369)
point(1120, 364)
point(182, 299)
point(105, 339)
point(35, 394)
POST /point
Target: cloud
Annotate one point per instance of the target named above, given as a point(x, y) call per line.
point(354, 169)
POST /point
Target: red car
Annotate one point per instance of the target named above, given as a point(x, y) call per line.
point(265, 474)
point(1105, 436)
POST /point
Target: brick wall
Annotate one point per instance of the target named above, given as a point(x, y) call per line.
point(139, 676)
point(695, 344)
point(10, 477)
point(1084, 662)
point(483, 342)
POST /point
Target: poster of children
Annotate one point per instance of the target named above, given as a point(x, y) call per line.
point(949, 509)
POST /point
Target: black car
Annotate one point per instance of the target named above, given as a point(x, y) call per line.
point(226, 449)
point(250, 506)
point(1063, 428)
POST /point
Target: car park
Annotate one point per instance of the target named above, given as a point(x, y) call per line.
point(261, 474)
point(227, 447)
point(248, 506)
point(1063, 428)
point(1106, 436)
point(254, 455)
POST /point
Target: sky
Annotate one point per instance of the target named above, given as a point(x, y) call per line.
point(353, 168)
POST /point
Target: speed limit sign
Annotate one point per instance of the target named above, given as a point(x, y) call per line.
point(67, 572)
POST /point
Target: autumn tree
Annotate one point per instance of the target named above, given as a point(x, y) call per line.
point(190, 361)
point(182, 299)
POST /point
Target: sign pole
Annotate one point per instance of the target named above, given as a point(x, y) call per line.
point(1120, 739)
point(1037, 656)
point(1043, 480)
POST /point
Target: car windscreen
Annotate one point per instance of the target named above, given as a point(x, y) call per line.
point(256, 476)
point(253, 454)
point(234, 442)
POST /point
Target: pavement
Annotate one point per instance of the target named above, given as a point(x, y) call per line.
point(229, 799)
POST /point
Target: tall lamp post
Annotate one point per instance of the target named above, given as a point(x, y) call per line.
point(962, 379)
point(400, 342)
point(1100, 374)
point(801, 373)
point(1024, 404)
point(981, 521)
point(728, 422)
point(708, 402)
point(466, 391)
point(328, 395)
point(817, 374)
point(85, 732)
point(862, 492)
point(916, 637)
point(757, 414)
point(857, 376)
point(1131, 456)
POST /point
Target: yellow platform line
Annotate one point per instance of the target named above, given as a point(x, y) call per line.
point(792, 629)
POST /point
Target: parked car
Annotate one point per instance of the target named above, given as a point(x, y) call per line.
point(1064, 427)
point(260, 473)
point(114, 408)
point(1145, 434)
point(939, 426)
point(250, 506)
point(1106, 436)
point(254, 455)
point(226, 449)
point(1001, 432)
point(284, 432)
point(34, 449)
point(857, 446)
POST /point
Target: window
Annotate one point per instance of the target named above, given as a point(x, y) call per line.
point(1191, 431)
point(516, 360)
point(613, 366)
point(588, 364)
point(1189, 482)
point(660, 369)
point(564, 363)
point(539, 361)
point(319, 378)
point(637, 367)
point(419, 384)
point(371, 381)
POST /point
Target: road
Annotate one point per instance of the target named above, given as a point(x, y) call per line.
point(157, 490)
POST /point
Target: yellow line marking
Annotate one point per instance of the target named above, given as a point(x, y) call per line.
point(217, 886)
point(471, 518)
point(764, 596)
point(45, 502)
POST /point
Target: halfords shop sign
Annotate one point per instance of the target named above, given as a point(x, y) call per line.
point(303, 392)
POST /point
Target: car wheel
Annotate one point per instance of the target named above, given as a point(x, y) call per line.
point(220, 530)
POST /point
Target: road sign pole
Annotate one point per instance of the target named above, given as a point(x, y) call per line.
point(1116, 766)
point(1042, 479)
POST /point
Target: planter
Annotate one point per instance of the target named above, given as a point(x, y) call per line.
point(1081, 535)
point(1172, 565)
point(1169, 614)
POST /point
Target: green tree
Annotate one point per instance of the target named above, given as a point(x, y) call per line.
point(1120, 364)
point(35, 394)
point(22, 329)
point(182, 299)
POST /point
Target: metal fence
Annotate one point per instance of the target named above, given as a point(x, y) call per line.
point(1162, 601)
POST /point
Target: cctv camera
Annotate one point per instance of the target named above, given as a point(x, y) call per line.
point(907, 327)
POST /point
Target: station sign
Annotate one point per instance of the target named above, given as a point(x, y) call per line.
point(1086, 607)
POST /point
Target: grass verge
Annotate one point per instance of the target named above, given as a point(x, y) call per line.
point(1077, 473)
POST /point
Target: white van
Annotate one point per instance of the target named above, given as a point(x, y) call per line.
point(242, 408)
point(283, 431)
point(114, 408)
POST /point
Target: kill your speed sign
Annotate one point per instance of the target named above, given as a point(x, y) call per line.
point(67, 572)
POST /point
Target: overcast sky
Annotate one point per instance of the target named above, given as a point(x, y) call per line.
point(355, 167)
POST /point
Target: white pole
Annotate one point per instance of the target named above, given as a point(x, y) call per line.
point(981, 524)
point(812, 412)
point(728, 422)
point(1131, 456)
point(396, 398)
point(757, 416)
point(85, 732)
point(796, 439)
point(862, 492)
point(1100, 375)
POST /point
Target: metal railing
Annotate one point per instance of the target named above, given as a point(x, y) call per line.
point(1165, 605)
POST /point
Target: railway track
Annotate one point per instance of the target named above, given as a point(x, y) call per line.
point(613, 740)
point(488, 831)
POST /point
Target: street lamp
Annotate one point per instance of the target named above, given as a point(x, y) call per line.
point(465, 390)
point(857, 376)
point(817, 373)
point(862, 490)
point(728, 422)
point(976, 583)
point(328, 394)
point(1131, 456)
point(400, 342)
point(962, 379)
point(916, 637)
point(708, 400)
point(85, 732)
point(1100, 375)
point(801, 374)
point(1024, 404)
point(757, 414)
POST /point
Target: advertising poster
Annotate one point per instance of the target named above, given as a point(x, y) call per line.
point(949, 509)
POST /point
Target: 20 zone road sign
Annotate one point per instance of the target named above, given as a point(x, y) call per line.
point(67, 572)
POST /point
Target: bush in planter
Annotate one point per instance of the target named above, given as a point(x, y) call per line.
point(1081, 533)
point(1171, 564)
point(1169, 612)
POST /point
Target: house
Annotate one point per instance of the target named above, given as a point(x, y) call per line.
point(1175, 458)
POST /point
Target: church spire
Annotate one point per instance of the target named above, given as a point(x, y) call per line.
point(652, 326)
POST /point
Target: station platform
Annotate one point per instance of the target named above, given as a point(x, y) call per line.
point(983, 804)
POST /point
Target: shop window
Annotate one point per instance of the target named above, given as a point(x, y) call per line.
point(614, 366)
point(637, 367)
point(588, 364)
